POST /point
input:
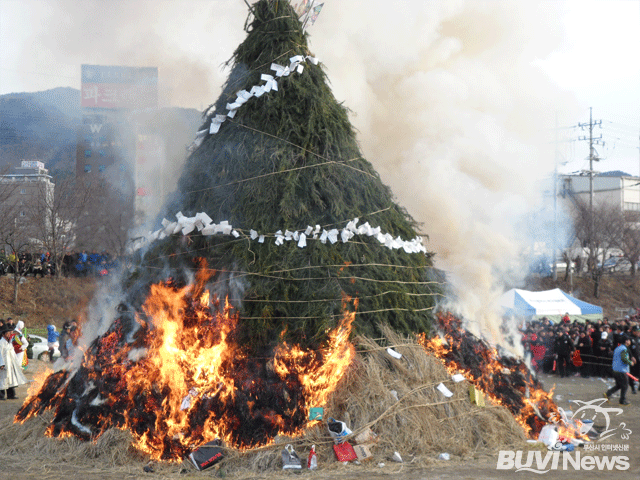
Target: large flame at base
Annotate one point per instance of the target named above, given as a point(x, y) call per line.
point(175, 378)
point(505, 380)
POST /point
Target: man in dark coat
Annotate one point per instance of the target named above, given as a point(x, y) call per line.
point(563, 347)
point(584, 347)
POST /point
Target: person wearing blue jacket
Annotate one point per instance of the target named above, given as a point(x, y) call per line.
point(52, 340)
point(620, 365)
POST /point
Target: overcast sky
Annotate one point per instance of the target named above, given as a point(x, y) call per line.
point(595, 55)
point(455, 102)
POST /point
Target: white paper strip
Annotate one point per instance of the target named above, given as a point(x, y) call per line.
point(303, 241)
point(279, 69)
point(393, 353)
point(458, 377)
point(345, 235)
point(444, 390)
point(231, 113)
point(214, 128)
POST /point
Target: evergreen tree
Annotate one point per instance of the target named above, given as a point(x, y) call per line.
point(287, 160)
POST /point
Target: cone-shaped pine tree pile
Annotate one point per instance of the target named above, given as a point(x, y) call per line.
point(284, 163)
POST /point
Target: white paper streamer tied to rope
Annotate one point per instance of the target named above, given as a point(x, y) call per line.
point(205, 225)
point(243, 96)
point(270, 84)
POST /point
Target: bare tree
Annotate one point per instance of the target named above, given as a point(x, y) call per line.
point(631, 239)
point(54, 214)
point(600, 229)
point(8, 202)
point(15, 232)
point(107, 220)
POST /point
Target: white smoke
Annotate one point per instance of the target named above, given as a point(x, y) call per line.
point(458, 120)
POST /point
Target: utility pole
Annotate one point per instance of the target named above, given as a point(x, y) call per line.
point(555, 208)
point(592, 158)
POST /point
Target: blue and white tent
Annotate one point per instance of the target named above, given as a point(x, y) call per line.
point(552, 304)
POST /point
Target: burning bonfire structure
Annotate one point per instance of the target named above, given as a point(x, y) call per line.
point(280, 242)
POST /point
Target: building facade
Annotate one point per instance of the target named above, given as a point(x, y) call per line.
point(25, 195)
point(614, 188)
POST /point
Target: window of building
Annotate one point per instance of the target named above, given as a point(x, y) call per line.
point(630, 206)
point(87, 168)
point(22, 214)
point(102, 168)
point(87, 153)
point(23, 191)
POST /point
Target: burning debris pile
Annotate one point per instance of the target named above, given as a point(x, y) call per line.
point(275, 151)
point(179, 369)
point(175, 377)
point(505, 380)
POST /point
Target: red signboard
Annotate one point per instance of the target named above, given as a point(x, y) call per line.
point(119, 95)
point(117, 87)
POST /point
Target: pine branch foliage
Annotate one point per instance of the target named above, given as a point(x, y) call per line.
point(287, 160)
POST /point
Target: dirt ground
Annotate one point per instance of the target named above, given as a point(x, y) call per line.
point(477, 467)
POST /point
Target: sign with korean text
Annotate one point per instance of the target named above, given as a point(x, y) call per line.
point(117, 87)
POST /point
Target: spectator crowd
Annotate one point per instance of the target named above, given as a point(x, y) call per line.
point(581, 348)
point(74, 264)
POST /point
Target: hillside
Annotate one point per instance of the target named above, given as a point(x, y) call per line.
point(44, 126)
point(45, 300)
point(41, 125)
point(41, 300)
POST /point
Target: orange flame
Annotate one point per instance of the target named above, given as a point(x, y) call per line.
point(177, 379)
point(505, 381)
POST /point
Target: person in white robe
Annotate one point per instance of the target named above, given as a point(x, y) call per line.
point(20, 342)
point(11, 375)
